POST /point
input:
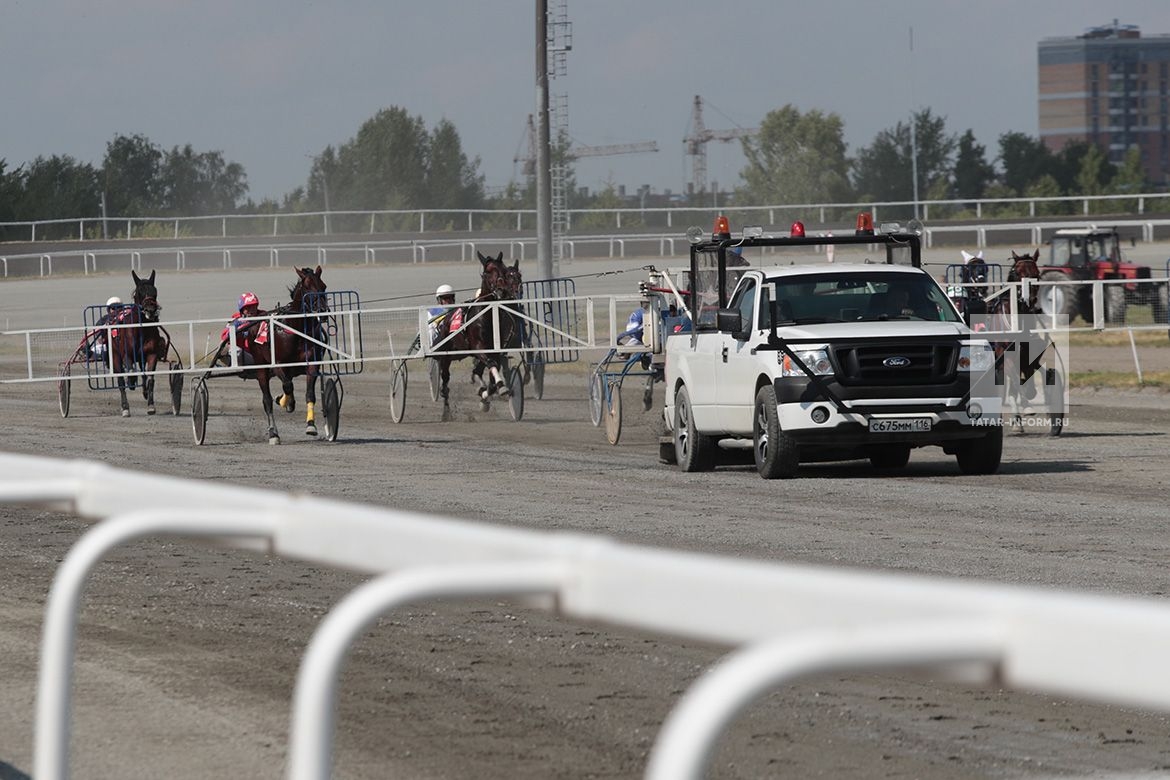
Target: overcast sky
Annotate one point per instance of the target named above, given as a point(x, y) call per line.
point(271, 82)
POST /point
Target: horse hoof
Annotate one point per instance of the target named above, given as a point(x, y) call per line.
point(311, 430)
point(274, 440)
point(485, 405)
point(288, 403)
point(125, 412)
point(150, 410)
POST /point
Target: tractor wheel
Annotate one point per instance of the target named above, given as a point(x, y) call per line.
point(1114, 304)
point(1056, 300)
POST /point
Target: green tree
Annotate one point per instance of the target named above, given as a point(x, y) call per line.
point(883, 170)
point(1046, 187)
point(796, 158)
point(194, 184)
point(1024, 160)
point(452, 181)
point(59, 187)
point(131, 176)
point(1130, 177)
point(972, 170)
point(385, 165)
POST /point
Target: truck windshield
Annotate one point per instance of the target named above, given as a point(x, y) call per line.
point(808, 300)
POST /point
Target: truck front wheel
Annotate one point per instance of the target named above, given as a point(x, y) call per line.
point(981, 456)
point(777, 454)
point(693, 451)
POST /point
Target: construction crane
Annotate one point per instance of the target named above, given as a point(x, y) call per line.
point(696, 143)
point(528, 159)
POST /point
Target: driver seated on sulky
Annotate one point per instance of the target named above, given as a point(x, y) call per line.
point(247, 333)
point(98, 349)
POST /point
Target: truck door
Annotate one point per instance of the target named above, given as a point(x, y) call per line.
point(736, 365)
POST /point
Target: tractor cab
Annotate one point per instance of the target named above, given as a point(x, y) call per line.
point(1083, 251)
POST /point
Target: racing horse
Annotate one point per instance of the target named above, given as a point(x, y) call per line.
point(292, 340)
point(1017, 362)
point(139, 343)
point(498, 282)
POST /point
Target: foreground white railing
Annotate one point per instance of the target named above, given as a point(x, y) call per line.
point(787, 620)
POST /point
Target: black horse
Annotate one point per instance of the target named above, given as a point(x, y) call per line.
point(292, 340)
point(498, 282)
point(139, 343)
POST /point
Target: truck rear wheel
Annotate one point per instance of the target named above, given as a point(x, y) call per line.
point(693, 451)
point(982, 455)
point(777, 453)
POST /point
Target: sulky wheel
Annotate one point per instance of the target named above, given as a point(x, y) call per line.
point(613, 414)
point(434, 378)
point(176, 381)
point(199, 410)
point(398, 374)
point(63, 388)
point(516, 393)
point(538, 376)
point(596, 396)
point(331, 406)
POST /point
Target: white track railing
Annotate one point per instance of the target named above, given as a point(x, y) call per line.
point(786, 620)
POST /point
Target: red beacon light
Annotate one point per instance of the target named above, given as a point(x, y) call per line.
point(864, 224)
point(722, 228)
point(797, 230)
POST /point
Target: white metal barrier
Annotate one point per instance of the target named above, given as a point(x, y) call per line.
point(787, 620)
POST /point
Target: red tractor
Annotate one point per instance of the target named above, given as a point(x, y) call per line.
point(1088, 254)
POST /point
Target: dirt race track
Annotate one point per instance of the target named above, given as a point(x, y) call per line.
point(187, 654)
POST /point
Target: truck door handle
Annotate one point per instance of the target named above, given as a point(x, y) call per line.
point(724, 353)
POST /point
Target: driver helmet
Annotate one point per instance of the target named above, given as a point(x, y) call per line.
point(444, 291)
point(114, 301)
point(248, 299)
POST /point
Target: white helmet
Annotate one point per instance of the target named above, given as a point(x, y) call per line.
point(444, 289)
point(114, 301)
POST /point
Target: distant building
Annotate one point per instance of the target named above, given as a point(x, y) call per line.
point(1108, 87)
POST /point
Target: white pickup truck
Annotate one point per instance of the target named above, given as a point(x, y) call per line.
point(835, 348)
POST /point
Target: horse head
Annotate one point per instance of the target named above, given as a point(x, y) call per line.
point(307, 294)
point(1026, 267)
point(493, 280)
point(146, 297)
point(513, 281)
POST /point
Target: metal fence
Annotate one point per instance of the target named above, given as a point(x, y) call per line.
point(781, 622)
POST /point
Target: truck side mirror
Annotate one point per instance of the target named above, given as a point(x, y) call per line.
point(731, 321)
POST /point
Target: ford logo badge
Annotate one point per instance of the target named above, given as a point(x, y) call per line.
point(896, 362)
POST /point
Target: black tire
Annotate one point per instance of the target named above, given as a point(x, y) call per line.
point(777, 454)
point(434, 378)
point(516, 395)
point(1054, 398)
point(1115, 304)
point(64, 387)
point(176, 381)
point(648, 394)
point(692, 450)
point(199, 410)
point(613, 414)
point(890, 456)
point(1160, 307)
point(1056, 300)
point(596, 397)
point(538, 376)
point(982, 455)
point(398, 375)
point(331, 406)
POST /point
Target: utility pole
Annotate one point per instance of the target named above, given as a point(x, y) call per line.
point(913, 130)
point(543, 172)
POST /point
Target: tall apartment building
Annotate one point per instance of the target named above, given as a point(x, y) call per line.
point(1109, 87)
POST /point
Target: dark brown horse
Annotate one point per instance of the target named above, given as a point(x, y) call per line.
point(139, 343)
point(498, 282)
point(271, 351)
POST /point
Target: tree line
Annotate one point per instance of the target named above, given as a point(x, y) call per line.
point(395, 162)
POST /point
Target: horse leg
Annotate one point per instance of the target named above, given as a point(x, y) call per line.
point(262, 378)
point(287, 400)
point(310, 402)
point(444, 389)
point(117, 366)
point(148, 383)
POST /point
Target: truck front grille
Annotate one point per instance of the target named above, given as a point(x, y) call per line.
point(918, 363)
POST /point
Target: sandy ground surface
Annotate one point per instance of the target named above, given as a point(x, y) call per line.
point(186, 654)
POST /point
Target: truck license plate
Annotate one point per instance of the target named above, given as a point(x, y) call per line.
point(900, 425)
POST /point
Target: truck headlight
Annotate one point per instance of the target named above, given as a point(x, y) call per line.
point(817, 361)
point(978, 356)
